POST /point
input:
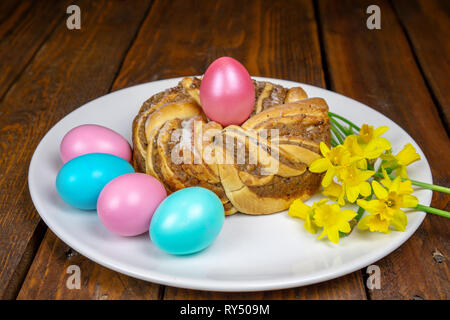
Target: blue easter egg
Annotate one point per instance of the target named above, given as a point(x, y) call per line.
point(187, 221)
point(80, 180)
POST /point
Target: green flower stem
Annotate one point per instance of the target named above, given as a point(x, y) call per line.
point(430, 186)
point(331, 114)
point(419, 184)
point(333, 142)
point(340, 127)
point(433, 210)
point(337, 134)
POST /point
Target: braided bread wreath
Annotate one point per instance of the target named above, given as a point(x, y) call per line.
point(302, 123)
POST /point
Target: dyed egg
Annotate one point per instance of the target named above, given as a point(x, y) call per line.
point(187, 221)
point(227, 93)
point(127, 203)
point(80, 180)
point(92, 138)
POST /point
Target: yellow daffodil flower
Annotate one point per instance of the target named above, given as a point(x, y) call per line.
point(371, 141)
point(397, 187)
point(399, 162)
point(367, 134)
point(386, 210)
point(298, 209)
point(369, 144)
point(331, 162)
point(333, 221)
point(354, 182)
point(356, 151)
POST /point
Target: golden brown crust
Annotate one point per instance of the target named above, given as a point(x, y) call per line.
point(271, 176)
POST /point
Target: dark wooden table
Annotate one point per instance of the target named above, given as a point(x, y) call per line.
point(47, 70)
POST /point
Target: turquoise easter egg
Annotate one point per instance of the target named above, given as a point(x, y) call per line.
point(80, 180)
point(187, 221)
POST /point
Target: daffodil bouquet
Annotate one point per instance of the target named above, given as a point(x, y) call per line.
point(361, 169)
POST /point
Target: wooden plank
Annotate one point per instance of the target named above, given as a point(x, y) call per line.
point(49, 274)
point(23, 29)
point(7, 8)
point(377, 67)
point(171, 43)
point(427, 25)
point(71, 68)
point(268, 38)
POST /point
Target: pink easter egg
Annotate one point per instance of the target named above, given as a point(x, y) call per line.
point(92, 138)
point(227, 93)
point(127, 203)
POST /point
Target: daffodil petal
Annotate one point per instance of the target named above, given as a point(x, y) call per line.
point(320, 202)
point(362, 164)
point(333, 235)
point(352, 193)
point(328, 177)
point(386, 181)
point(309, 225)
point(324, 149)
point(341, 200)
point(319, 165)
point(323, 234)
point(405, 187)
point(364, 189)
point(383, 143)
point(345, 227)
point(362, 224)
point(380, 192)
point(380, 130)
point(334, 190)
point(366, 174)
point(372, 206)
point(395, 186)
point(348, 214)
point(399, 221)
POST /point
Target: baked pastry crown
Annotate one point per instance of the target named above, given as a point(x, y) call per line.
point(270, 152)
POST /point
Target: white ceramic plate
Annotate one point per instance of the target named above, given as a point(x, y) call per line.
point(252, 253)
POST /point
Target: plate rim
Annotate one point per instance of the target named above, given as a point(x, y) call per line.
point(223, 285)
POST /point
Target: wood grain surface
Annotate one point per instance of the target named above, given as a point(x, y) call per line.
point(47, 278)
point(378, 68)
point(54, 70)
point(24, 27)
point(427, 25)
point(71, 68)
